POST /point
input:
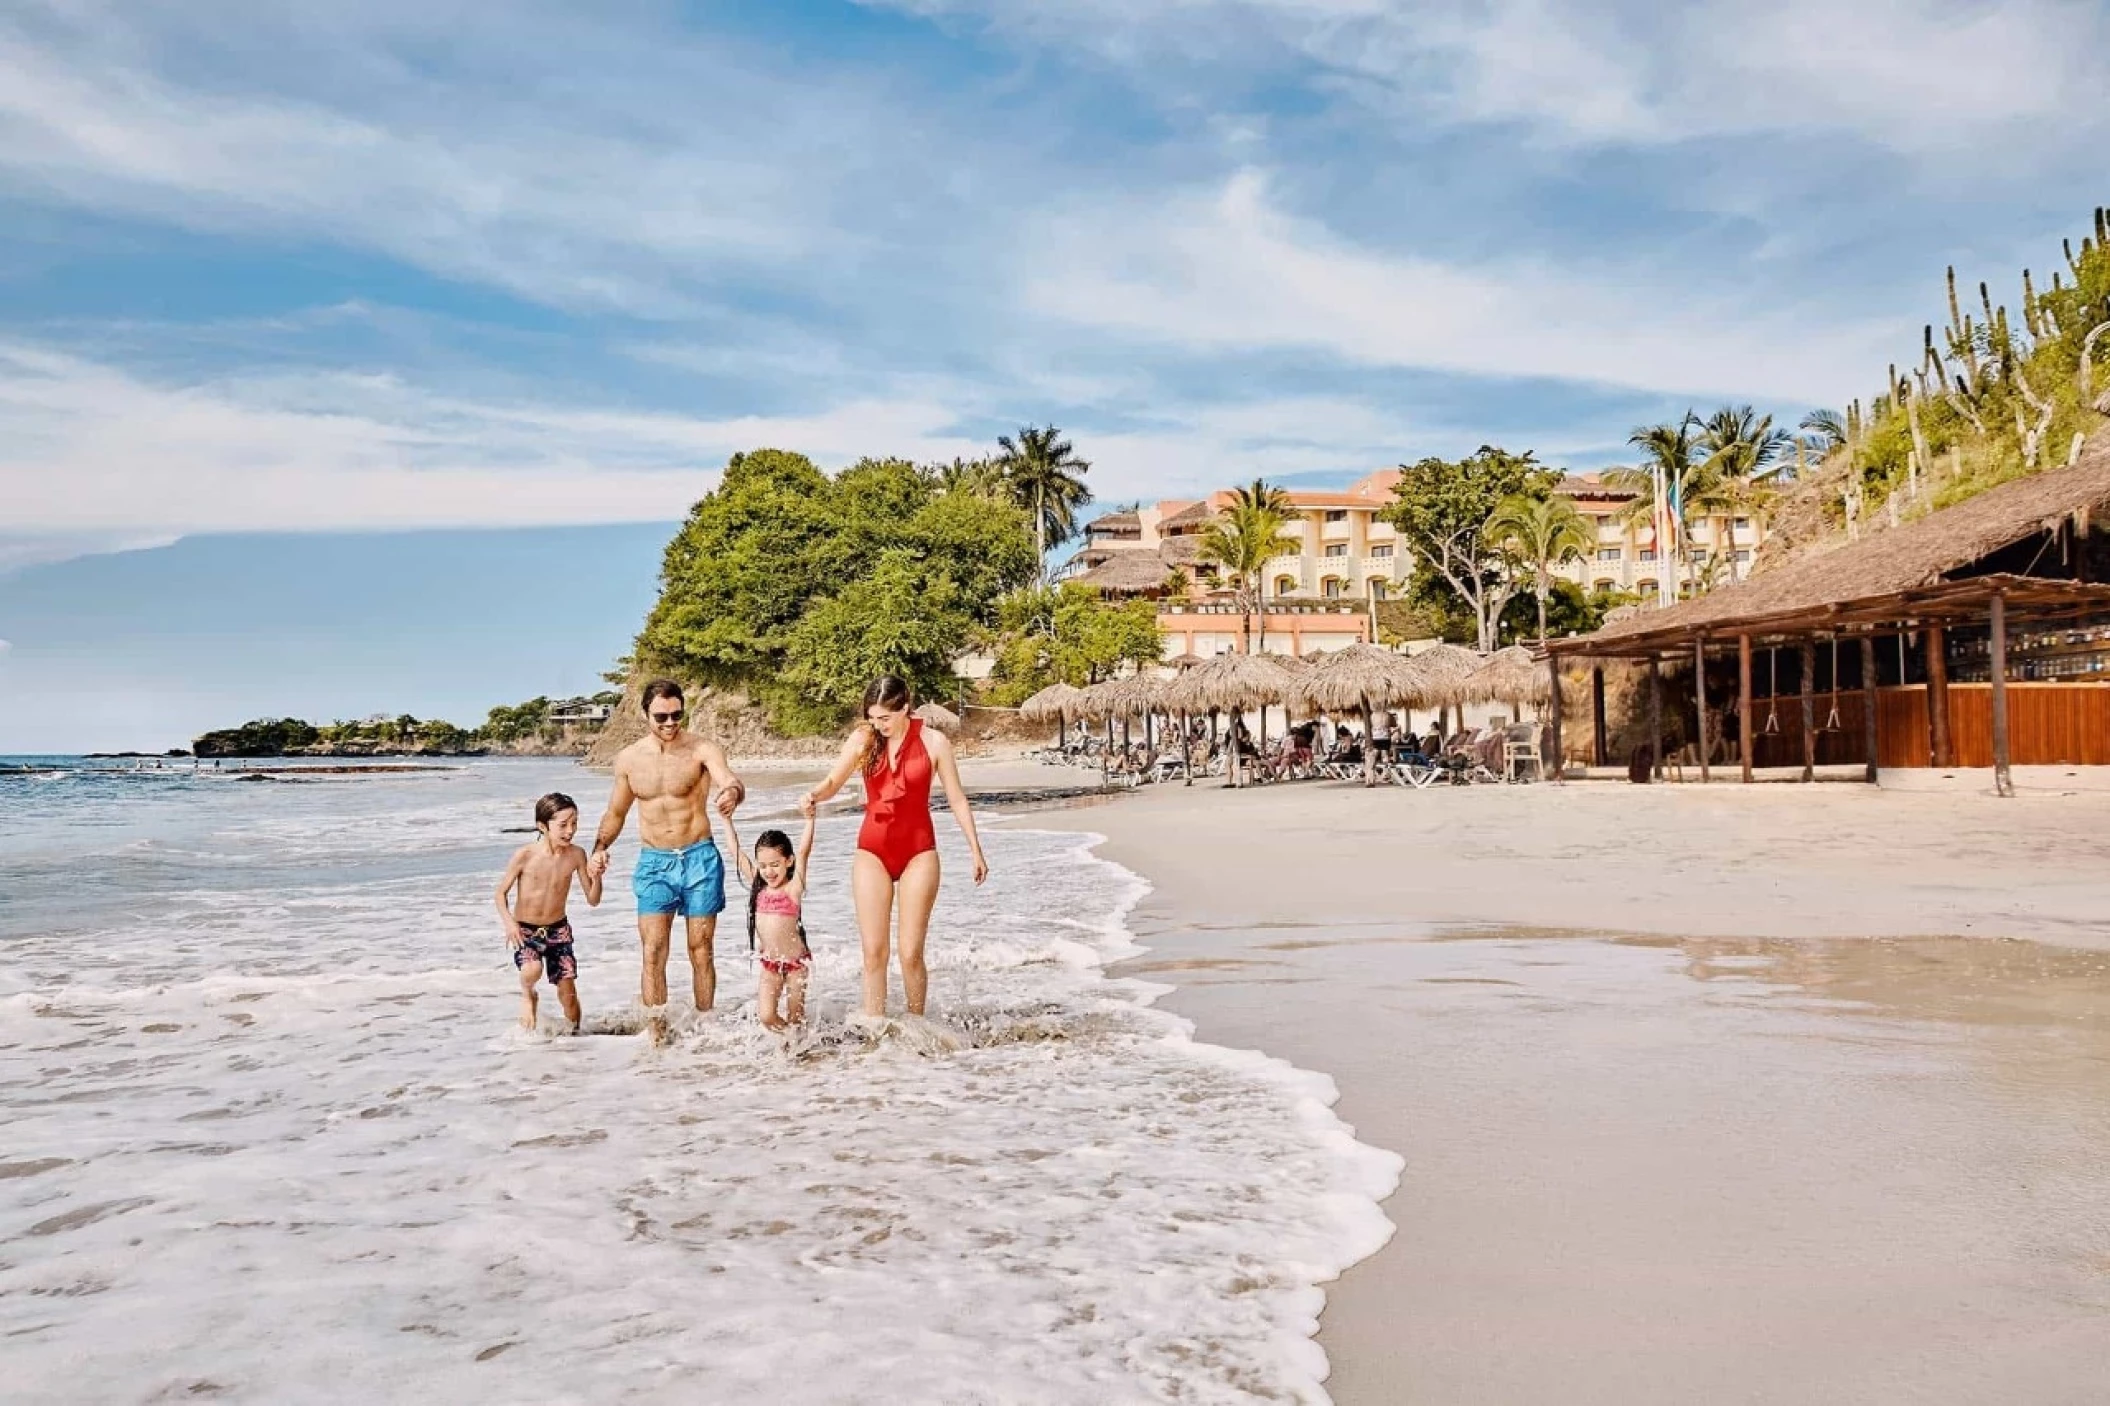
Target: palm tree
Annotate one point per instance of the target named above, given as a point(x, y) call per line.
point(1043, 475)
point(1827, 428)
point(1742, 447)
point(1243, 540)
point(1667, 455)
point(1263, 497)
point(982, 477)
point(1544, 532)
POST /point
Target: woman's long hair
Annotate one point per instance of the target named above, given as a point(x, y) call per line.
point(888, 692)
point(781, 843)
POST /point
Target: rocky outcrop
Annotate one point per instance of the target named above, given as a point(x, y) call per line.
point(727, 718)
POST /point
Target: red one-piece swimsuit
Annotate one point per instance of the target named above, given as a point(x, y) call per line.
point(897, 824)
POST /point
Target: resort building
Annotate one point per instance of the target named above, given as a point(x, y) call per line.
point(1628, 557)
point(1348, 558)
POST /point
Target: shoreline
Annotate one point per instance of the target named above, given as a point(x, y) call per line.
point(1642, 1054)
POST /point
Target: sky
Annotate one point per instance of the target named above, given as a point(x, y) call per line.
point(417, 276)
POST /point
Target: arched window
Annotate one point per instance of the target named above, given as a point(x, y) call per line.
point(1285, 585)
point(1603, 583)
point(1330, 588)
point(1377, 588)
point(1646, 588)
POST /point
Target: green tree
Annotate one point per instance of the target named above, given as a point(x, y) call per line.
point(908, 618)
point(1068, 634)
point(1441, 509)
point(760, 587)
point(1044, 476)
point(1243, 539)
point(1543, 531)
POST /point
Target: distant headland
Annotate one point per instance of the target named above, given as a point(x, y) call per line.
point(540, 727)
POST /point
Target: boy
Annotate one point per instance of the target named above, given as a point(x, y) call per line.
point(538, 932)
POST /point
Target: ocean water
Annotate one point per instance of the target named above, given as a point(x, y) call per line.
point(271, 1134)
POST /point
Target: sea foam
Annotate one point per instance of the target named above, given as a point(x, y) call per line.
point(282, 1141)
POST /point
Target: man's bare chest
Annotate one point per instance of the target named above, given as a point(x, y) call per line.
point(663, 777)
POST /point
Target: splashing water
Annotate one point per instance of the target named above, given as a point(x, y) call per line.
point(273, 1135)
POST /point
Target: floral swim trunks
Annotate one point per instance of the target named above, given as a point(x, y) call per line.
point(549, 944)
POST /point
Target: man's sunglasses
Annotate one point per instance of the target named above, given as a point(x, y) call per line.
point(662, 719)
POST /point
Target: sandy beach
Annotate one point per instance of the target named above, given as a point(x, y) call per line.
point(1780, 1094)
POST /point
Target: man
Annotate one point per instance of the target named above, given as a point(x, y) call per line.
point(679, 870)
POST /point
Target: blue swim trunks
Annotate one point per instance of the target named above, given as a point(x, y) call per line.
point(688, 881)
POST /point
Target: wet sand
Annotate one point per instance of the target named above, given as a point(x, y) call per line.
point(1780, 1096)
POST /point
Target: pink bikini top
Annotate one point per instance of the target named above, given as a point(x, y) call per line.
point(781, 903)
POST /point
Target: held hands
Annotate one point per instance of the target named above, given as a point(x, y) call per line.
point(809, 807)
point(729, 798)
point(597, 864)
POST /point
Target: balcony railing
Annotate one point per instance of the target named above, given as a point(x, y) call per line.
point(1274, 607)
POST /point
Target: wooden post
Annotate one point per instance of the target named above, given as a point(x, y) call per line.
point(2003, 780)
point(1551, 766)
point(1369, 746)
point(1743, 703)
point(1600, 743)
point(1938, 696)
point(1809, 711)
point(1868, 701)
point(1699, 699)
point(1655, 718)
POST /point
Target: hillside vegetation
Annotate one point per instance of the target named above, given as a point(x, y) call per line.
point(1993, 394)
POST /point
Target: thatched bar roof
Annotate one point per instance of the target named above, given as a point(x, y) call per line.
point(1127, 572)
point(1929, 571)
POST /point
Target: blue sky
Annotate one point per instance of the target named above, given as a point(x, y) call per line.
point(388, 268)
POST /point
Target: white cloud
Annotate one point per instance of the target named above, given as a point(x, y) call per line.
point(1227, 270)
point(1935, 79)
point(87, 447)
point(625, 186)
point(5, 646)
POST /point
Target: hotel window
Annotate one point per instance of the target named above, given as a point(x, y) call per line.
point(1609, 554)
point(1377, 590)
point(1646, 554)
point(1337, 515)
point(1384, 549)
point(1331, 588)
point(1340, 549)
point(1742, 524)
point(1740, 554)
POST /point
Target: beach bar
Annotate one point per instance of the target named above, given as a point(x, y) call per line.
point(1977, 636)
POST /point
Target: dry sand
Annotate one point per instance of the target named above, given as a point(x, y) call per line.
point(1787, 1094)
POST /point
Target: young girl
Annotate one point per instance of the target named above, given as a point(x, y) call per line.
point(537, 929)
point(776, 892)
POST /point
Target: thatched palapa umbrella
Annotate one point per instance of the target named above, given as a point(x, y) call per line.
point(1356, 680)
point(1440, 672)
point(1229, 683)
point(1057, 703)
point(1509, 676)
point(939, 716)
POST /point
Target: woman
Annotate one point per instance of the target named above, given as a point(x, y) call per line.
point(897, 850)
